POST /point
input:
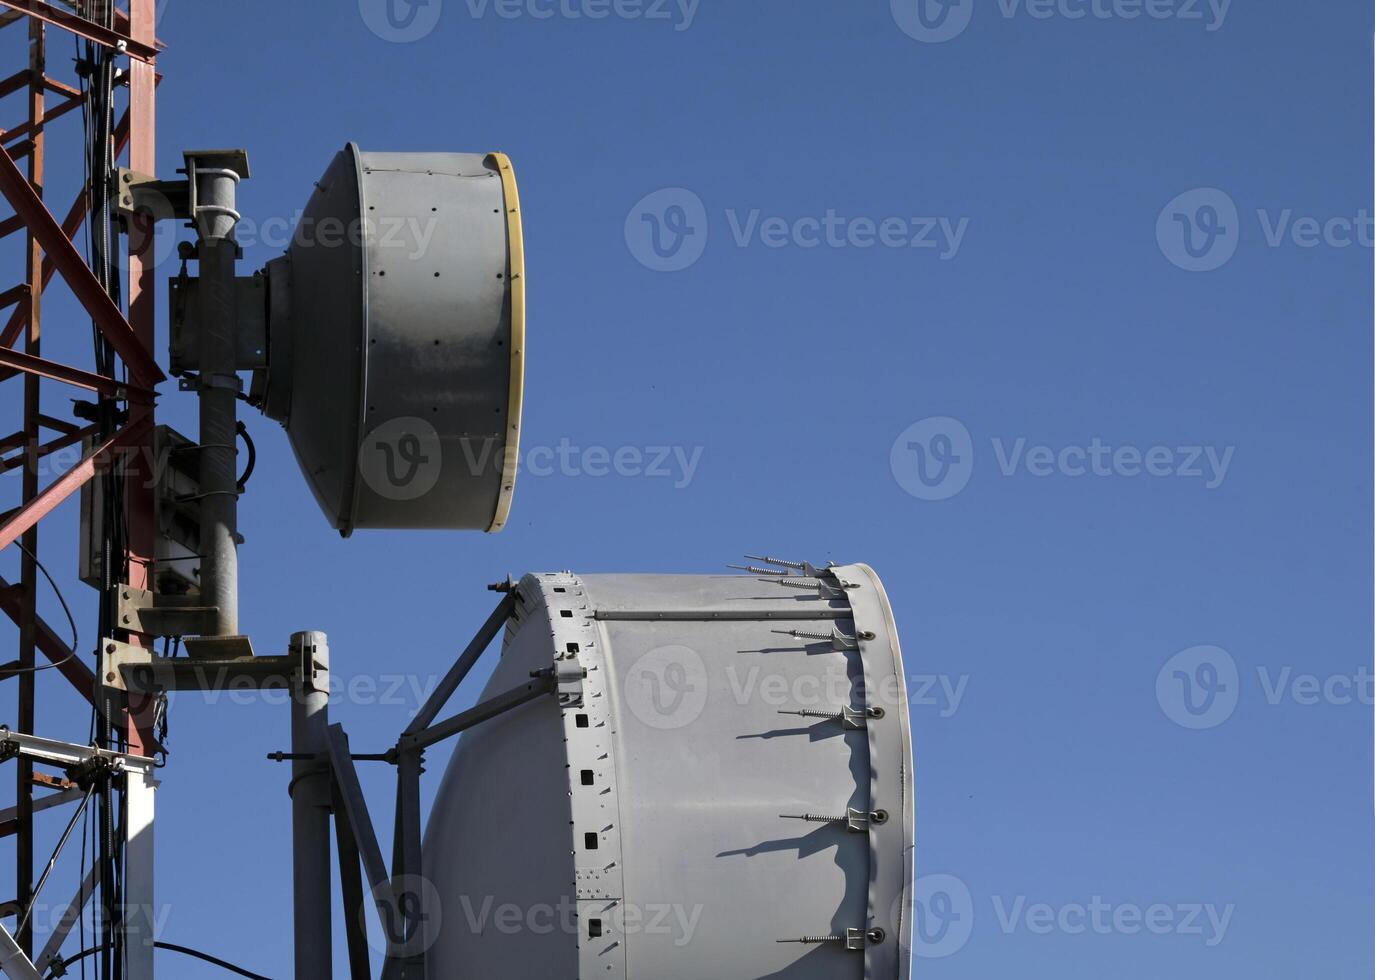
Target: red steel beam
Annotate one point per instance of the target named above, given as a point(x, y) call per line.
point(58, 425)
point(83, 283)
point(61, 109)
point(13, 295)
point(70, 226)
point(51, 446)
point(88, 29)
point(62, 88)
point(71, 481)
point(54, 371)
point(14, 83)
point(19, 319)
point(51, 645)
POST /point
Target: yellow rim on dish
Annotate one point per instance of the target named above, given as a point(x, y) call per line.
point(516, 245)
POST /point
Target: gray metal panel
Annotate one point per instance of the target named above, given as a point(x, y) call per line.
point(400, 340)
point(697, 872)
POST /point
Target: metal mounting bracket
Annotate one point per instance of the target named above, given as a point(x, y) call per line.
point(138, 193)
point(126, 667)
point(140, 611)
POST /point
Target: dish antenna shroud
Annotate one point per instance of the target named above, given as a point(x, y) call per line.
point(722, 787)
point(396, 340)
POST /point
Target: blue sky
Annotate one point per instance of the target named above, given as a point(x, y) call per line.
point(1057, 314)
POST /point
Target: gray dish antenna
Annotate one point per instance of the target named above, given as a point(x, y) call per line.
point(396, 340)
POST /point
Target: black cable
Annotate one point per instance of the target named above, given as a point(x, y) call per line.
point(172, 948)
point(71, 622)
point(52, 861)
point(103, 243)
point(252, 455)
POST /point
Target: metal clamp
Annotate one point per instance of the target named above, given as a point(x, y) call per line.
point(855, 940)
point(854, 719)
point(856, 821)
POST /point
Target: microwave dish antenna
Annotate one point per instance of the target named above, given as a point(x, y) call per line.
point(395, 331)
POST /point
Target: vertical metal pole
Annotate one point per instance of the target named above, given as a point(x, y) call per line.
point(310, 807)
point(219, 387)
point(408, 960)
point(139, 914)
point(140, 288)
point(28, 576)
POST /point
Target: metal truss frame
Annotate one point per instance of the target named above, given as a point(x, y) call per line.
point(49, 252)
